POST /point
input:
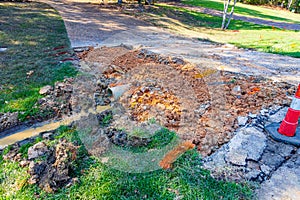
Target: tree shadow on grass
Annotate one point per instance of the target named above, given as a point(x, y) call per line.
point(36, 42)
point(191, 19)
point(238, 10)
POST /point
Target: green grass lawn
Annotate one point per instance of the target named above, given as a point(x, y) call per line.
point(187, 180)
point(239, 33)
point(36, 41)
point(250, 10)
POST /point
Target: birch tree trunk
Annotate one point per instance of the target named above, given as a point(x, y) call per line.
point(290, 4)
point(227, 16)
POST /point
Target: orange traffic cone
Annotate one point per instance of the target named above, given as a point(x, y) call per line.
point(287, 131)
point(289, 124)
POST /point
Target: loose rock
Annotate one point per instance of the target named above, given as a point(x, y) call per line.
point(8, 120)
point(37, 150)
point(46, 90)
point(242, 120)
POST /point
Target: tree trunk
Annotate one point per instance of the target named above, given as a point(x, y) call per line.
point(230, 15)
point(290, 4)
point(226, 4)
point(227, 15)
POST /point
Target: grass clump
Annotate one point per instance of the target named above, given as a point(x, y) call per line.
point(36, 41)
point(159, 140)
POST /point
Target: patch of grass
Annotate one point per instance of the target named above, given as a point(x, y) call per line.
point(37, 41)
point(249, 10)
point(187, 180)
point(12, 179)
point(139, 132)
point(160, 139)
point(241, 34)
point(24, 149)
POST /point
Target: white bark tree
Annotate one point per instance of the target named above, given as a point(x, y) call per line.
point(290, 2)
point(227, 16)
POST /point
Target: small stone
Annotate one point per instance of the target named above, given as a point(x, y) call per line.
point(80, 49)
point(265, 169)
point(72, 182)
point(236, 158)
point(42, 101)
point(18, 157)
point(161, 106)
point(47, 135)
point(31, 166)
point(68, 88)
point(37, 150)
point(3, 49)
point(236, 90)
point(24, 163)
point(252, 175)
point(264, 112)
point(59, 85)
point(11, 155)
point(178, 61)
point(251, 115)
point(8, 120)
point(46, 90)
point(33, 180)
point(96, 95)
point(242, 120)
point(252, 165)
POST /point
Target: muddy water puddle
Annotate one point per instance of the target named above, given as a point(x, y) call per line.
point(45, 127)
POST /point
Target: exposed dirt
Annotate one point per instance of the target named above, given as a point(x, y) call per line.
point(201, 105)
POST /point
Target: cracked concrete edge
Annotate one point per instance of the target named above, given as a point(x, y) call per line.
point(284, 183)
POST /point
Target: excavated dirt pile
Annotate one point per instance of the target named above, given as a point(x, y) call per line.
point(50, 167)
point(200, 103)
point(54, 173)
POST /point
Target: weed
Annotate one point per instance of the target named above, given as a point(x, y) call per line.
point(152, 120)
point(107, 119)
